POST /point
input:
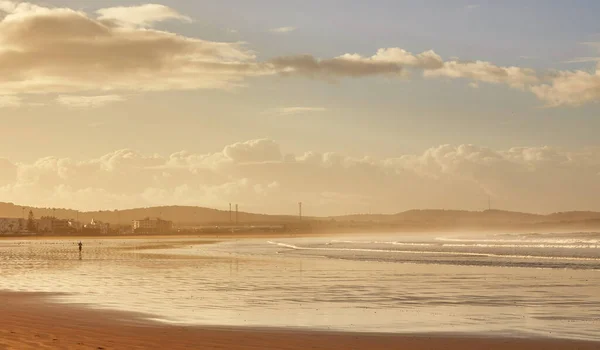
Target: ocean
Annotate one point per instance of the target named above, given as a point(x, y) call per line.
point(521, 285)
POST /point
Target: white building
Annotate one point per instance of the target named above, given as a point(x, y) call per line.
point(101, 227)
point(148, 225)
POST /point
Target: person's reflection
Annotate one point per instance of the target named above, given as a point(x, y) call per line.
point(80, 257)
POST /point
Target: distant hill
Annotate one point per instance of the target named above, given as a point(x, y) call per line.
point(451, 217)
point(181, 215)
point(431, 218)
point(574, 216)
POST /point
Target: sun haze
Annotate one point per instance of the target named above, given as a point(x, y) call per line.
point(145, 105)
point(299, 174)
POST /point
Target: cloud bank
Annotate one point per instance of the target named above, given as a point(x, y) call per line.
point(60, 50)
point(144, 15)
point(118, 49)
point(261, 177)
point(573, 88)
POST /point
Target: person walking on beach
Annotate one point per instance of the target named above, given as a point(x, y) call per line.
point(80, 246)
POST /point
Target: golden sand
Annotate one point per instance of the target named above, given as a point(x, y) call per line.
point(29, 322)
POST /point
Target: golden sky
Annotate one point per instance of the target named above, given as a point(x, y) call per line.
point(191, 103)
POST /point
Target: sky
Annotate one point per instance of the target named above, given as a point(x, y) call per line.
point(348, 106)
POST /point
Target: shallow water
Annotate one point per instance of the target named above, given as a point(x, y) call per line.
point(521, 285)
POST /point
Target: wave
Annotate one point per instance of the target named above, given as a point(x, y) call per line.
point(547, 240)
point(489, 255)
point(526, 244)
point(415, 244)
point(564, 246)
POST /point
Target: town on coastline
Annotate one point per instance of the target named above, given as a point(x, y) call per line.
point(22, 221)
point(52, 225)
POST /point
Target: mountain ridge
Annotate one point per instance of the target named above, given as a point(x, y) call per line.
point(192, 215)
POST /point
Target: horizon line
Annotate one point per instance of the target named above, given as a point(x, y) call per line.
point(28, 207)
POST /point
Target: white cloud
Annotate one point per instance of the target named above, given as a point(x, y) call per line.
point(9, 101)
point(425, 60)
point(260, 177)
point(262, 150)
point(63, 51)
point(481, 71)
point(60, 50)
point(570, 88)
point(143, 15)
point(339, 67)
point(387, 61)
point(285, 111)
point(73, 101)
point(395, 61)
point(282, 30)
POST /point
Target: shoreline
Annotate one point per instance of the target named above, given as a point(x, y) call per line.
point(315, 232)
point(235, 235)
point(31, 321)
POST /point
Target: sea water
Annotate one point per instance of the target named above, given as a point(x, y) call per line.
point(503, 284)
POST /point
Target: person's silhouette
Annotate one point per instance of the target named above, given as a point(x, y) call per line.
point(80, 248)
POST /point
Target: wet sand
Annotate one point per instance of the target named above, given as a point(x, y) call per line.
point(28, 321)
point(213, 236)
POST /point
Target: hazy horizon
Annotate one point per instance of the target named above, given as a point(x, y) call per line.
point(270, 174)
point(435, 105)
point(17, 210)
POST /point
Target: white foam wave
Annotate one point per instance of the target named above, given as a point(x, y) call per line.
point(546, 240)
point(408, 244)
point(482, 245)
point(523, 244)
point(490, 255)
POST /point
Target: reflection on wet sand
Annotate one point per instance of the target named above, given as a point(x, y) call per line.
point(255, 283)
